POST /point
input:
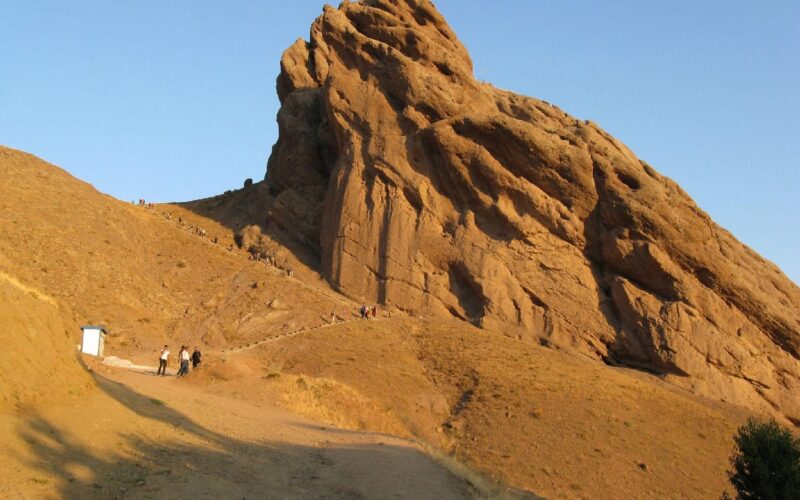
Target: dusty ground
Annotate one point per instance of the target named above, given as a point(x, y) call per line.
point(541, 420)
point(142, 436)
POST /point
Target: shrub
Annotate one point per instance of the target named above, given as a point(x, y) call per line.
point(766, 462)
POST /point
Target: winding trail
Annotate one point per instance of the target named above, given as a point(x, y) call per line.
point(293, 333)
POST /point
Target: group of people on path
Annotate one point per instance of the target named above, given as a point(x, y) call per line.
point(183, 356)
point(367, 312)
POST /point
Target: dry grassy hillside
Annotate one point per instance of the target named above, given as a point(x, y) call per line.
point(37, 355)
point(70, 255)
point(538, 419)
point(148, 278)
point(542, 420)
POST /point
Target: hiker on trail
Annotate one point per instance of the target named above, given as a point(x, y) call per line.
point(184, 370)
point(162, 361)
point(333, 317)
point(180, 362)
point(363, 311)
point(185, 359)
point(374, 311)
point(196, 358)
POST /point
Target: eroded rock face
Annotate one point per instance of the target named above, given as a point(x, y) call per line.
point(427, 190)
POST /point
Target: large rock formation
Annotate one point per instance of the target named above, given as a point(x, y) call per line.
point(424, 189)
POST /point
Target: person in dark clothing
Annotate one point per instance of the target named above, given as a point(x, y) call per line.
point(196, 358)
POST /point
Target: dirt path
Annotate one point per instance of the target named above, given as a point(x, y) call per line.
point(273, 338)
point(243, 451)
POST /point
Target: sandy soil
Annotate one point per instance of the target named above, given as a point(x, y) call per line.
point(134, 439)
point(537, 419)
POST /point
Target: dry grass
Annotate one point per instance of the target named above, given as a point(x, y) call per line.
point(518, 413)
point(539, 419)
point(37, 356)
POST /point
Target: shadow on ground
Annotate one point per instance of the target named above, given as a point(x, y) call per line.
point(187, 460)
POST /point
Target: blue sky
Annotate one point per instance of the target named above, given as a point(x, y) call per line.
point(175, 100)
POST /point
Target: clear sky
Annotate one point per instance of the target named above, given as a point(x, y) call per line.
point(175, 100)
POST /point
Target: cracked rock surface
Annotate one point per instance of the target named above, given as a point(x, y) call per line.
point(424, 189)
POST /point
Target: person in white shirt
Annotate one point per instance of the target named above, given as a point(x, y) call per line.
point(162, 361)
point(184, 361)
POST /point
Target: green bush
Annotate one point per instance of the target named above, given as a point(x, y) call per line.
point(766, 462)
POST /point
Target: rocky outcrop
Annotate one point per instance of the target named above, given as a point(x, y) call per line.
point(427, 190)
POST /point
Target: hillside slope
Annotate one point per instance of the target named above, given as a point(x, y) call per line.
point(524, 415)
point(38, 354)
point(70, 255)
point(146, 275)
point(421, 188)
point(537, 419)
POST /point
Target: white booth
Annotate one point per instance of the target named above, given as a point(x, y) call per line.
point(93, 340)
